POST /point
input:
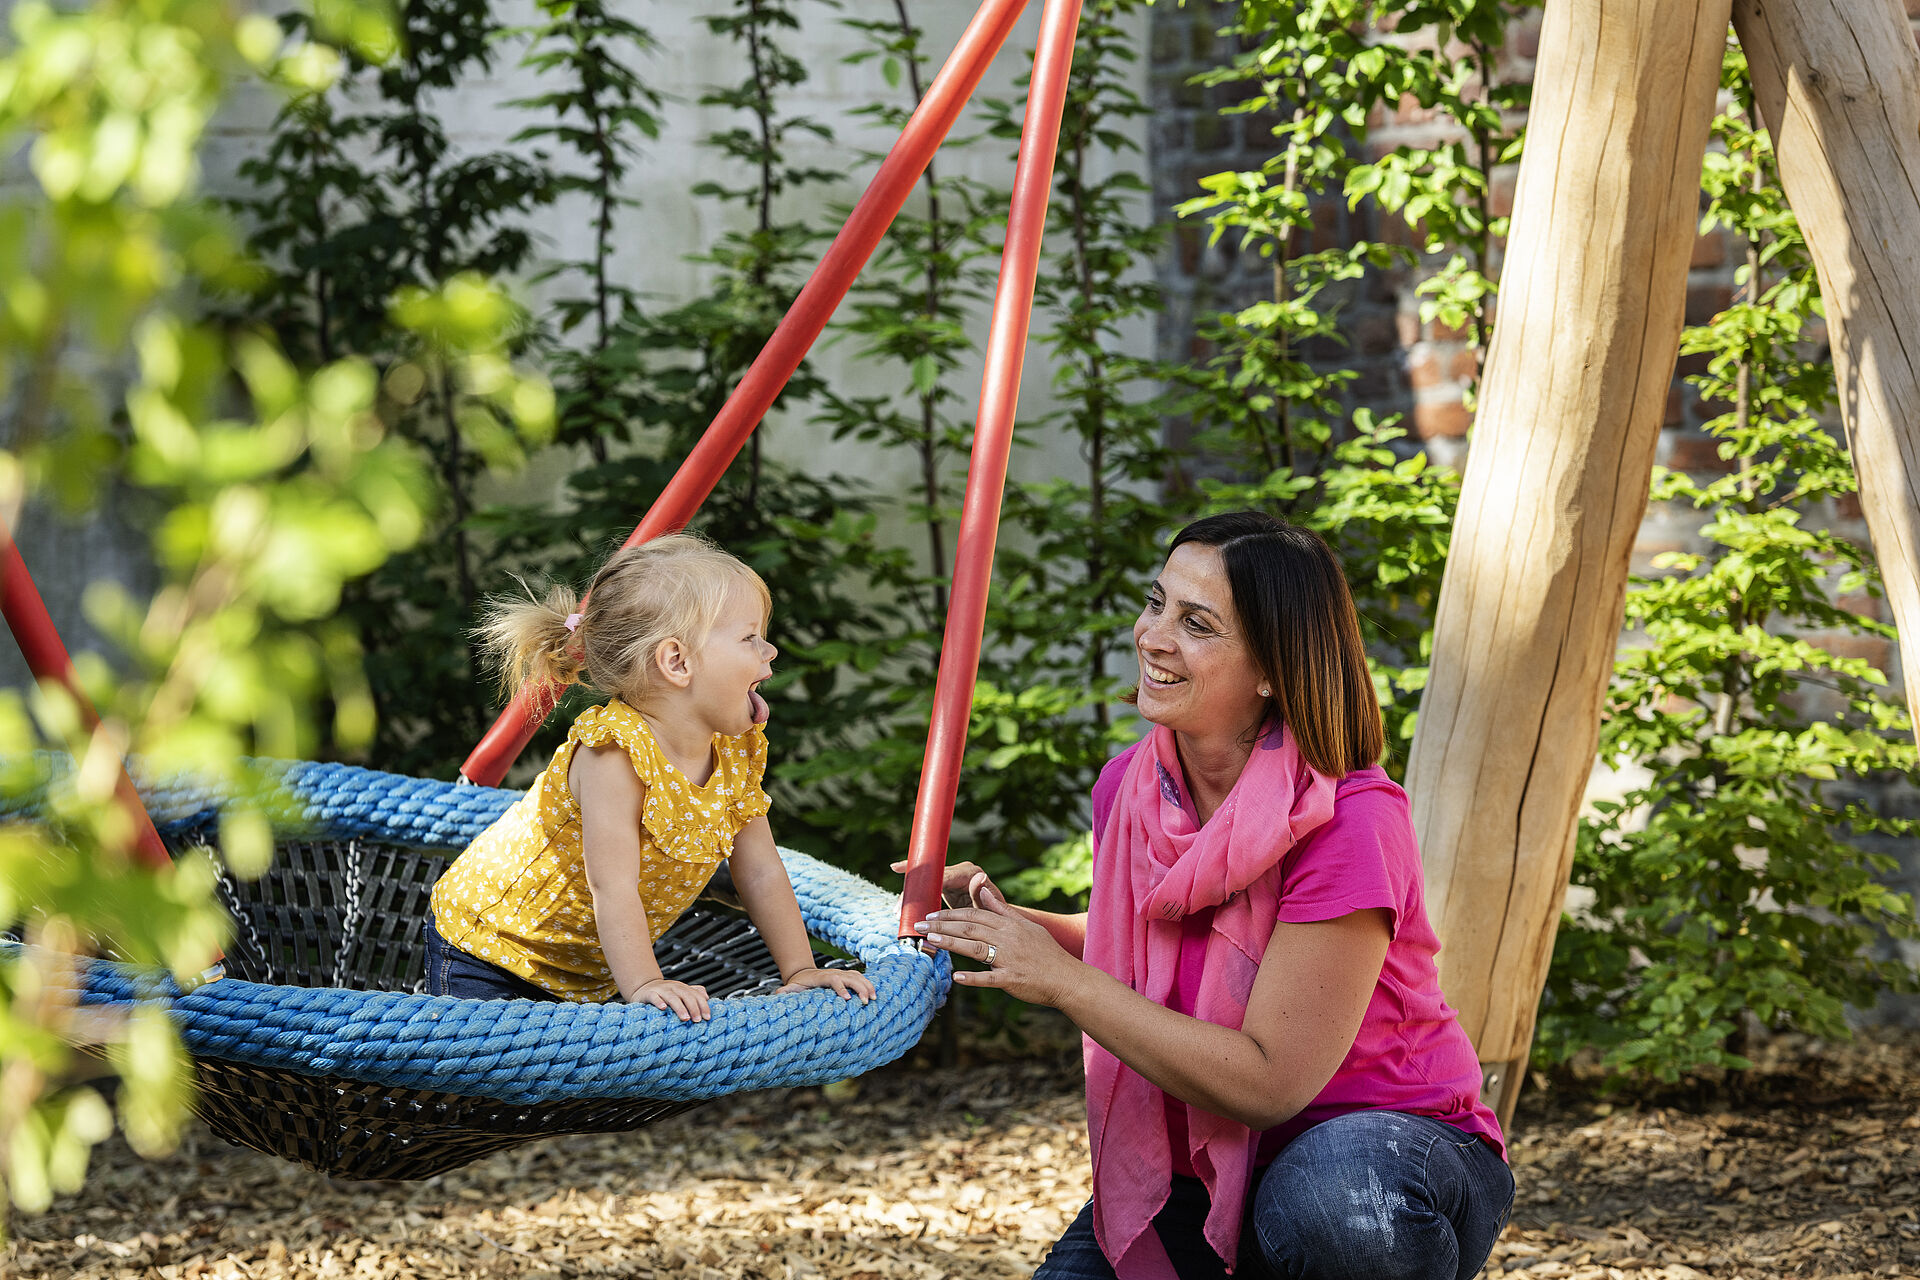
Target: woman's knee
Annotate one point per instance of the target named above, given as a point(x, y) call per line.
point(1347, 1200)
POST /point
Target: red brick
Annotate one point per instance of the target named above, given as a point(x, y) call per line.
point(1423, 369)
point(1411, 112)
point(1676, 408)
point(1500, 190)
point(1524, 39)
point(1847, 506)
point(1695, 454)
point(1710, 250)
point(1465, 365)
point(1373, 334)
point(1859, 601)
point(1188, 242)
point(1705, 301)
point(1913, 8)
point(1326, 226)
point(1873, 649)
point(1713, 407)
point(1441, 331)
point(1674, 705)
point(1448, 418)
point(1407, 327)
point(1395, 230)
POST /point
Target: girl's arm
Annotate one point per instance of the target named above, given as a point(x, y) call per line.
point(1308, 998)
point(760, 879)
point(611, 798)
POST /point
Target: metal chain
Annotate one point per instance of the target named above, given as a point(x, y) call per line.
point(237, 908)
point(350, 921)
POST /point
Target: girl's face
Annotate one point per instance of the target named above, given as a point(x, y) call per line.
point(730, 664)
point(1196, 674)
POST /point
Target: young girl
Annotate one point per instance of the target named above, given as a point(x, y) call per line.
point(563, 897)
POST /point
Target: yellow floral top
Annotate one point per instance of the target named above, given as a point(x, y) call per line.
point(518, 897)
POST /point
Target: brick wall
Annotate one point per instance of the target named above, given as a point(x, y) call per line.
point(1419, 369)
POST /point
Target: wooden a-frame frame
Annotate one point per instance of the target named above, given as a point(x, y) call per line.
point(1591, 308)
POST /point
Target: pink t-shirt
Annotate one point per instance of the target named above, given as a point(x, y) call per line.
point(1410, 1053)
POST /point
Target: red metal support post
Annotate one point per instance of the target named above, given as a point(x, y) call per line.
point(27, 617)
point(987, 473)
point(764, 380)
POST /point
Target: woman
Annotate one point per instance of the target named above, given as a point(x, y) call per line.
point(1273, 1078)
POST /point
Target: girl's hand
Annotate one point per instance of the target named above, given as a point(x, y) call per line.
point(848, 983)
point(687, 1003)
point(1022, 958)
point(962, 885)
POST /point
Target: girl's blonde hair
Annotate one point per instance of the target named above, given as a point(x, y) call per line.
point(672, 588)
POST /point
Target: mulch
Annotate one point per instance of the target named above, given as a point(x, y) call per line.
point(1813, 1170)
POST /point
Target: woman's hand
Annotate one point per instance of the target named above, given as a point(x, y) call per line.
point(687, 1003)
point(848, 983)
point(1021, 956)
point(962, 884)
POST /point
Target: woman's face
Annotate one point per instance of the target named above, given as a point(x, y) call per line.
point(1196, 674)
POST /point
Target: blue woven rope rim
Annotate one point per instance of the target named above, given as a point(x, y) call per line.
point(523, 1051)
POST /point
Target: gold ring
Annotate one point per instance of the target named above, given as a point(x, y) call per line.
point(992, 951)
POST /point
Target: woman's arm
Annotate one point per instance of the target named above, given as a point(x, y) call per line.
point(1306, 1005)
point(612, 801)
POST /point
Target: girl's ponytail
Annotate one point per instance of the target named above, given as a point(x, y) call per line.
point(529, 640)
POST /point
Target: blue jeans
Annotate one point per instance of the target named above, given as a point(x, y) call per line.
point(1372, 1195)
point(452, 972)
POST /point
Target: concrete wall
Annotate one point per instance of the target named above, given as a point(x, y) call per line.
point(671, 224)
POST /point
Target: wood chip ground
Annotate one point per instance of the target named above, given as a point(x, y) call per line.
point(916, 1172)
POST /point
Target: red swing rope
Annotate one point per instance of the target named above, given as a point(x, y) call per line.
point(767, 376)
point(987, 472)
point(27, 617)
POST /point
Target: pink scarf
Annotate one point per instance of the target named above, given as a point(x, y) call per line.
point(1153, 868)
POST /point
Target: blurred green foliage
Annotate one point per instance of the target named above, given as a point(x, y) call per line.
point(267, 488)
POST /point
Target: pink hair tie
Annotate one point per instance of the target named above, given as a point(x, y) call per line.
point(573, 620)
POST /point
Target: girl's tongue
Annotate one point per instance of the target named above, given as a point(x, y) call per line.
point(760, 708)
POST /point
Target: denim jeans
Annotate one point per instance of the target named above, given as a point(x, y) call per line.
point(1372, 1195)
point(452, 972)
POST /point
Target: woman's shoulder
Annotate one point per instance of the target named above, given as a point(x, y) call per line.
point(1370, 812)
point(1368, 790)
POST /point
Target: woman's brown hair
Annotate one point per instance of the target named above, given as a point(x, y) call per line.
point(1300, 626)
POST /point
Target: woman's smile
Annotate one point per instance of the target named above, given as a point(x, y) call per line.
point(1196, 675)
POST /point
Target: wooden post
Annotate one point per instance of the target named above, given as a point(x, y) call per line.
point(1838, 85)
point(1591, 303)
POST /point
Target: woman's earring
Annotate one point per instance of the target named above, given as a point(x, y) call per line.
point(1265, 692)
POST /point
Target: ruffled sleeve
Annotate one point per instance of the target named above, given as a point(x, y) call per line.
point(749, 798)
